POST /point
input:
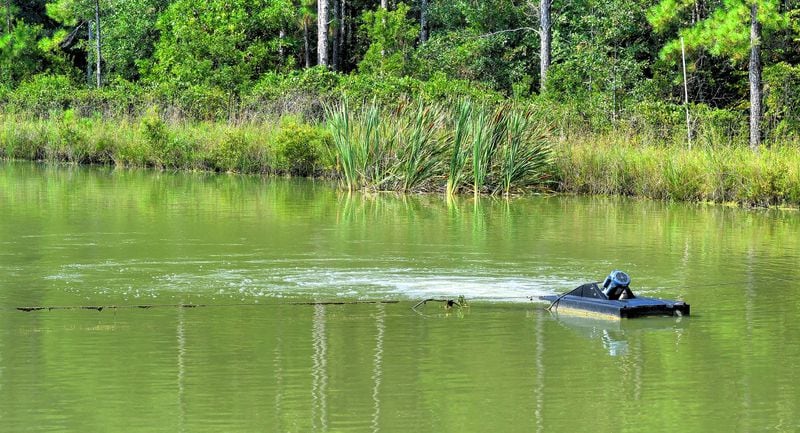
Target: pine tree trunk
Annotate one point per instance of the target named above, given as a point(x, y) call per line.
point(281, 41)
point(384, 6)
point(322, 32)
point(306, 45)
point(342, 34)
point(755, 78)
point(337, 19)
point(545, 38)
point(89, 53)
point(349, 31)
point(97, 38)
point(423, 21)
point(8, 16)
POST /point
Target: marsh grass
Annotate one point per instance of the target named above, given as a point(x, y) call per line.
point(716, 174)
point(419, 147)
point(153, 142)
point(422, 145)
point(487, 130)
point(525, 157)
point(456, 173)
point(423, 148)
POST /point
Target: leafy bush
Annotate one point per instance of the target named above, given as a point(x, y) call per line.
point(658, 121)
point(718, 127)
point(367, 88)
point(441, 89)
point(201, 102)
point(71, 144)
point(300, 93)
point(119, 98)
point(166, 150)
point(231, 154)
point(466, 55)
point(782, 100)
point(44, 94)
point(392, 35)
point(301, 148)
point(5, 93)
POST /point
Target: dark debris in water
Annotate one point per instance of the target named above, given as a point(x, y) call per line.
point(29, 309)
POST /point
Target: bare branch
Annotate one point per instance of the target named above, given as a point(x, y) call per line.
point(520, 29)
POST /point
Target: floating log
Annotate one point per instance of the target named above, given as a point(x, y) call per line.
point(98, 308)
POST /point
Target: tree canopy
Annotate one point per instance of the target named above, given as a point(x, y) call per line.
point(612, 55)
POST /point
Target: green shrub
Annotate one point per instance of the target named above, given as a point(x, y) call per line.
point(168, 149)
point(782, 101)
point(5, 93)
point(718, 127)
point(117, 99)
point(465, 55)
point(657, 121)
point(300, 148)
point(300, 93)
point(382, 90)
point(102, 144)
point(201, 102)
point(134, 153)
point(20, 139)
point(230, 154)
point(44, 94)
point(441, 89)
point(71, 144)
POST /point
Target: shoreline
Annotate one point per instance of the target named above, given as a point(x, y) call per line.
point(604, 164)
point(335, 183)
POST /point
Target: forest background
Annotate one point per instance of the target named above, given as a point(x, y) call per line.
point(682, 99)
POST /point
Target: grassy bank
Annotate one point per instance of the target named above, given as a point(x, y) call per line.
point(461, 149)
point(286, 145)
point(604, 165)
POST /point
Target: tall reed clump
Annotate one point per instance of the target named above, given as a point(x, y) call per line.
point(525, 156)
point(360, 143)
point(506, 148)
point(378, 149)
point(420, 147)
point(487, 130)
point(458, 147)
point(421, 144)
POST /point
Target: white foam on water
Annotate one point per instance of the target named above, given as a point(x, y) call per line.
point(309, 279)
point(414, 284)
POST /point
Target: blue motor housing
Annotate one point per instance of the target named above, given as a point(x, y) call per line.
point(616, 279)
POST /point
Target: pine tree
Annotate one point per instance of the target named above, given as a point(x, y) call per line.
point(322, 32)
point(733, 30)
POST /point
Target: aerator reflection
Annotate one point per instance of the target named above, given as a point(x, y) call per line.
point(614, 298)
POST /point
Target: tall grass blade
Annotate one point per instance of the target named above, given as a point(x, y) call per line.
point(487, 132)
point(421, 153)
point(525, 152)
point(347, 153)
point(458, 148)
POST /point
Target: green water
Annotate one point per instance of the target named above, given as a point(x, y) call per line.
point(255, 361)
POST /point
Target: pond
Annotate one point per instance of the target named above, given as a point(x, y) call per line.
point(265, 350)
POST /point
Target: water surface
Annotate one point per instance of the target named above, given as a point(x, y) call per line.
point(256, 359)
